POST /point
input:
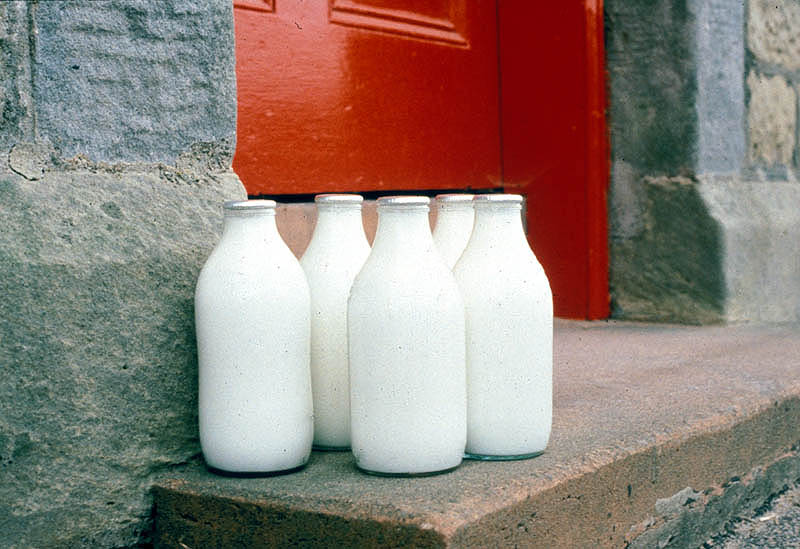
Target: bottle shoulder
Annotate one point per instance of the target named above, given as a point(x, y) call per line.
point(489, 259)
point(252, 262)
point(338, 257)
point(413, 278)
point(483, 274)
point(337, 239)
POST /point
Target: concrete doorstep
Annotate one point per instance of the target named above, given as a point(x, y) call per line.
point(661, 435)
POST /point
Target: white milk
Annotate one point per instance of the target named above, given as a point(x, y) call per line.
point(332, 260)
point(453, 227)
point(253, 336)
point(509, 327)
point(406, 329)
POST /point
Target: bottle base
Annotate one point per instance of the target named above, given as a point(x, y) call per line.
point(255, 474)
point(323, 448)
point(407, 475)
point(488, 457)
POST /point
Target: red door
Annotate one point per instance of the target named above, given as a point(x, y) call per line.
point(359, 95)
point(381, 95)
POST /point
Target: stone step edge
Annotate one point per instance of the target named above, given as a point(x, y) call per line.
point(612, 502)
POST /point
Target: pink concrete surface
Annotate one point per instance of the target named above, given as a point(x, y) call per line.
point(640, 413)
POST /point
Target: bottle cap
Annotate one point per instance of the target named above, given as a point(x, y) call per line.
point(338, 199)
point(249, 205)
point(409, 201)
point(498, 198)
point(455, 199)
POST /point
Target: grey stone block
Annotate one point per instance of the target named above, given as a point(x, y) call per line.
point(97, 350)
point(668, 266)
point(676, 84)
point(710, 251)
point(652, 83)
point(719, 45)
point(122, 80)
point(16, 101)
point(677, 104)
point(760, 230)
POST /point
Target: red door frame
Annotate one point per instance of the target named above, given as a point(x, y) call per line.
point(554, 142)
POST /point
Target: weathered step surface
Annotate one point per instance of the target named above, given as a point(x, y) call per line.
point(661, 434)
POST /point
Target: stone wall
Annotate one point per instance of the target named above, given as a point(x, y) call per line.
point(117, 138)
point(773, 80)
point(704, 206)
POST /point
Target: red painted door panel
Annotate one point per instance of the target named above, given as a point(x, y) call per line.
point(382, 95)
point(554, 142)
point(359, 95)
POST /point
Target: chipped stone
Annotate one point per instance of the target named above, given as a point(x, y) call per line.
point(30, 160)
point(673, 505)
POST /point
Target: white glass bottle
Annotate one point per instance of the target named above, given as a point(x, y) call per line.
point(509, 326)
point(332, 260)
point(406, 335)
point(454, 219)
point(253, 336)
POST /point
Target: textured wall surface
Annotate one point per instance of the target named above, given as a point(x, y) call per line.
point(760, 229)
point(773, 32)
point(98, 380)
point(16, 95)
point(670, 267)
point(720, 107)
point(772, 120)
point(773, 78)
point(118, 124)
point(117, 80)
point(651, 85)
point(703, 109)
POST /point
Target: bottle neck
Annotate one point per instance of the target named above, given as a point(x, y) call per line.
point(403, 229)
point(455, 215)
point(498, 223)
point(335, 220)
point(241, 225)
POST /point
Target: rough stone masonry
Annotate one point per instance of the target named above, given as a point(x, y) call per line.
point(704, 206)
point(118, 128)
